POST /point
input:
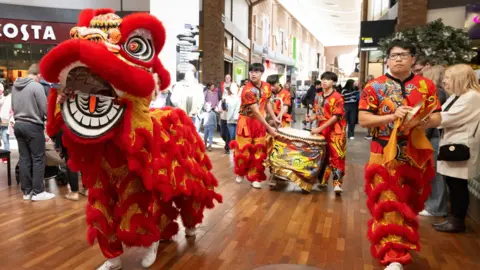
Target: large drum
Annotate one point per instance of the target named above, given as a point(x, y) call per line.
point(297, 156)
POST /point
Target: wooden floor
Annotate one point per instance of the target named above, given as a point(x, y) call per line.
point(251, 229)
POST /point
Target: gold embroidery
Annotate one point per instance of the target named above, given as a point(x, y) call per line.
point(174, 179)
point(392, 218)
point(134, 186)
point(141, 230)
point(164, 221)
point(164, 136)
point(387, 195)
point(377, 180)
point(125, 222)
point(160, 113)
point(155, 207)
point(149, 155)
point(98, 205)
point(181, 141)
point(396, 239)
point(196, 206)
point(98, 184)
point(121, 171)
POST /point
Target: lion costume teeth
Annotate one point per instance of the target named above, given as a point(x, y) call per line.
point(142, 168)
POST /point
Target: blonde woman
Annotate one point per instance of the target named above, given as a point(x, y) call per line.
point(436, 205)
point(458, 157)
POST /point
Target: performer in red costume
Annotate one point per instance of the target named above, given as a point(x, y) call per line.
point(250, 144)
point(328, 108)
point(398, 107)
point(142, 168)
point(284, 95)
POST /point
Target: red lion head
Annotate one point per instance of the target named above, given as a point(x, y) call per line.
point(109, 66)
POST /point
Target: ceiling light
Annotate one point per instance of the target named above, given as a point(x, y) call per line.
point(331, 4)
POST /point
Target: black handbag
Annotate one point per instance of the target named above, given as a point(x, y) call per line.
point(454, 152)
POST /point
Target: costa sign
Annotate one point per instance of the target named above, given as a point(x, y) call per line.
point(20, 31)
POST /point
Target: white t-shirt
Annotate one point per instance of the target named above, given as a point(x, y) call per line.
point(233, 108)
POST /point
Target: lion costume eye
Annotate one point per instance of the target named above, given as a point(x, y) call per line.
point(140, 48)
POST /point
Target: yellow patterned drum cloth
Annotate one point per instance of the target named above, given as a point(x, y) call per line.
point(296, 155)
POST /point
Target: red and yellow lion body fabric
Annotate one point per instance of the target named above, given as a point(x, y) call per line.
point(142, 168)
point(400, 168)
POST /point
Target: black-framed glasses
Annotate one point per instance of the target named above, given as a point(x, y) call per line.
point(403, 56)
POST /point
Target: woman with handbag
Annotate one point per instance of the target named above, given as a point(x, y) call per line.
point(437, 203)
point(458, 158)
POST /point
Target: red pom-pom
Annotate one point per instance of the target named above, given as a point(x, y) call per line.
point(85, 17)
point(102, 11)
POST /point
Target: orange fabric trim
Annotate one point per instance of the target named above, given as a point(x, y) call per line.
point(242, 127)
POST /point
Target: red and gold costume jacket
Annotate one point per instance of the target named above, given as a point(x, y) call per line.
point(398, 174)
point(325, 107)
point(383, 96)
point(252, 95)
point(142, 168)
point(286, 98)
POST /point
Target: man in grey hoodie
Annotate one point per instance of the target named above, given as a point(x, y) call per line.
point(29, 105)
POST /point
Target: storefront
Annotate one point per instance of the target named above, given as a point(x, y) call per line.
point(371, 34)
point(240, 62)
point(228, 53)
point(277, 63)
point(23, 43)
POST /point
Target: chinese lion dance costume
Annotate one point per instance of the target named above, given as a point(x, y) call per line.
point(142, 168)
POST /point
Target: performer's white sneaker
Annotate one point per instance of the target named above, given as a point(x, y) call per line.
point(28, 197)
point(239, 179)
point(425, 213)
point(338, 190)
point(151, 255)
point(394, 266)
point(256, 184)
point(111, 264)
point(189, 232)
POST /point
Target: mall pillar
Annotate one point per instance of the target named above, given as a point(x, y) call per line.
point(364, 55)
point(213, 30)
point(411, 13)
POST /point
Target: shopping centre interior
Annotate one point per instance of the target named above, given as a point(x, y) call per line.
point(206, 41)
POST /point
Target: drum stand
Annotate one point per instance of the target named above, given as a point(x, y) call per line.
point(272, 181)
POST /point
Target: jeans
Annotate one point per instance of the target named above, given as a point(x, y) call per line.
point(72, 177)
point(459, 197)
point(196, 123)
point(225, 134)
point(208, 134)
point(293, 110)
point(5, 138)
point(232, 130)
point(351, 111)
point(437, 204)
point(31, 147)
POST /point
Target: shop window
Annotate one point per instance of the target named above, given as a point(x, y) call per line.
point(375, 57)
point(15, 59)
point(265, 32)
point(228, 9)
point(3, 65)
point(282, 40)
